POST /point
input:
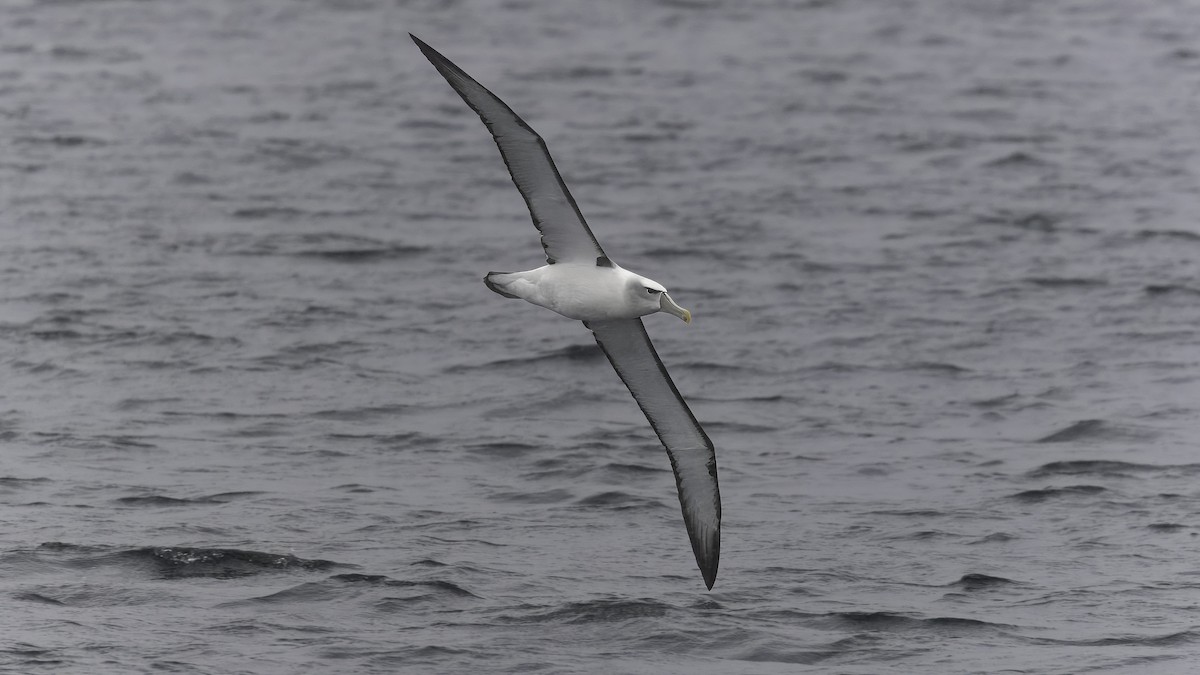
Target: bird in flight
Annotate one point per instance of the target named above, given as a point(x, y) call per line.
point(581, 282)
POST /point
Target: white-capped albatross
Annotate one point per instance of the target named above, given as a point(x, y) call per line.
point(581, 282)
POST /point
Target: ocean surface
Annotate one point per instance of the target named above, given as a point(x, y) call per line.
point(260, 415)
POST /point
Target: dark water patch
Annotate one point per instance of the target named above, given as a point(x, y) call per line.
point(48, 370)
point(30, 596)
point(779, 652)
point(395, 660)
point(56, 335)
point(17, 483)
point(995, 538)
point(1166, 527)
point(227, 415)
point(579, 353)
point(995, 402)
point(93, 54)
point(910, 513)
point(134, 403)
point(188, 337)
point(824, 76)
point(632, 470)
point(557, 473)
point(166, 501)
point(1046, 494)
point(646, 138)
point(230, 496)
point(355, 488)
point(713, 366)
point(95, 442)
point(221, 563)
point(928, 141)
point(340, 88)
point(1182, 235)
point(1017, 160)
point(1035, 221)
point(191, 178)
point(438, 520)
point(552, 464)
point(925, 535)
point(1104, 467)
point(1065, 282)
point(159, 500)
point(61, 141)
point(979, 582)
point(893, 622)
point(360, 255)
point(65, 546)
point(769, 398)
point(1168, 640)
point(344, 586)
point(163, 500)
point(1081, 430)
point(739, 427)
point(303, 243)
point(599, 611)
point(567, 73)
point(268, 212)
point(362, 414)
point(429, 124)
point(544, 497)
point(381, 580)
point(85, 594)
point(1171, 289)
point(503, 450)
point(29, 651)
point(837, 367)
point(933, 367)
point(297, 154)
point(618, 500)
point(1030, 90)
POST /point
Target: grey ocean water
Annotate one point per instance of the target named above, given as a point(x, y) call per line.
point(260, 415)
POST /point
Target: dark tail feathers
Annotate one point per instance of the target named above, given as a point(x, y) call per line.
point(487, 279)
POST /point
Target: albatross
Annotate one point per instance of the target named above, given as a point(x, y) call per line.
point(580, 281)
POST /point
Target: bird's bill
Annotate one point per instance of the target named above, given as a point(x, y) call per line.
point(666, 304)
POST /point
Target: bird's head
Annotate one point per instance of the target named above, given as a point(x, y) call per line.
point(652, 296)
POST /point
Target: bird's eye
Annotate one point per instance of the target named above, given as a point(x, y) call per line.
point(653, 291)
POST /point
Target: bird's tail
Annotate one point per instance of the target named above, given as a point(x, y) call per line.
point(497, 281)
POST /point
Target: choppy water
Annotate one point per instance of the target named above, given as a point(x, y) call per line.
point(260, 415)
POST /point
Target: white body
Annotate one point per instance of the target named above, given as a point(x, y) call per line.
point(587, 292)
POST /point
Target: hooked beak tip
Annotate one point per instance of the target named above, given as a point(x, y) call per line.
point(668, 305)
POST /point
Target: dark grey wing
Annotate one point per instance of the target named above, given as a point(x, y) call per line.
point(693, 459)
point(565, 234)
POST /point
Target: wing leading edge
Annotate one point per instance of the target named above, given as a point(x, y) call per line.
point(693, 458)
point(565, 234)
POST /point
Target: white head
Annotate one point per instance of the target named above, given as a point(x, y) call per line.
point(652, 297)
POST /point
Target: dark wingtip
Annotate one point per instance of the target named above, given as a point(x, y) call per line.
point(709, 572)
point(708, 555)
point(425, 49)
